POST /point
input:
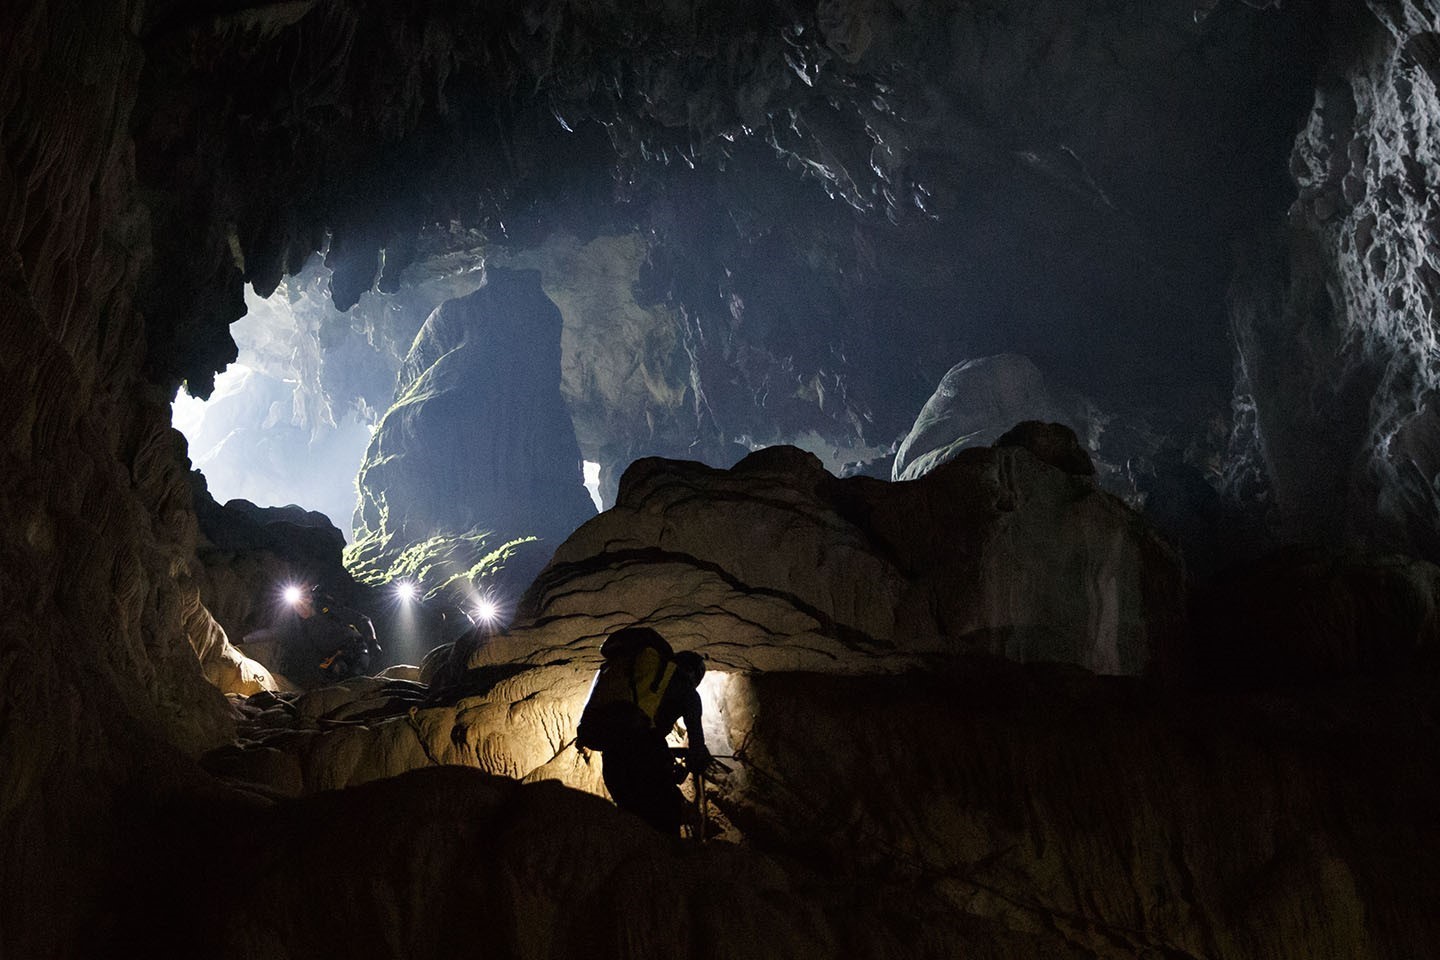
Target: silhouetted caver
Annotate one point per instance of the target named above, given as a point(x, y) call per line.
point(639, 693)
point(325, 642)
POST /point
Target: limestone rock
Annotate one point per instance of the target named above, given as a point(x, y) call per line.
point(995, 552)
point(1052, 443)
point(976, 401)
point(993, 780)
point(1307, 616)
point(1002, 802)
point(1335, 318)
point(534, 870)
point(475, 468)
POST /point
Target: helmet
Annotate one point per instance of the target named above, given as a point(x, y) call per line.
point(691, 666)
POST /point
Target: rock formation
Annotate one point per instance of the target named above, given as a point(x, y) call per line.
point(1005, 807)
point(772, 566)
point(473, 473)
point(1334, 321)
point(976, 401)
point(977, 178)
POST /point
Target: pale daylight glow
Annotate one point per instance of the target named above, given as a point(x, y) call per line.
point(592, 483)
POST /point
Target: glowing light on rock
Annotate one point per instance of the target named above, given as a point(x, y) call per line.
point(406, 591)
point(292, 594)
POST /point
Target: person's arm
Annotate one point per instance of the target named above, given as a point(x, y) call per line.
point(697, 757)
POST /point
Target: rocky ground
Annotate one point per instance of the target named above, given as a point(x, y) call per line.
point(896, 788)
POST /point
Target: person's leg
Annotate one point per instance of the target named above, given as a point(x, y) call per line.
point(640, 776)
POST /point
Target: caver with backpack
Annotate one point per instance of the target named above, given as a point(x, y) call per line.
point(639, 692)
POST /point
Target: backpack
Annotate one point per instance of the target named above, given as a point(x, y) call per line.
point(627, 688)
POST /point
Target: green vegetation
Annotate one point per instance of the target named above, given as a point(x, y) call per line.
point(444, 566)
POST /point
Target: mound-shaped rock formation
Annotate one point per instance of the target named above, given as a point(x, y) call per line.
point(1007, 809)
point(976, 401)
point(996, 551)
point(475, 467)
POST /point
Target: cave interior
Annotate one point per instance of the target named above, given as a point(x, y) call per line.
point(1029, 410)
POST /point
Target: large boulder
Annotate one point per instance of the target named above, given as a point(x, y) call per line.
point(475, 468)
point(1011, 810)
point(996, 552)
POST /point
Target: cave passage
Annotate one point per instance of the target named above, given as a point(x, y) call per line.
point(1028, 411)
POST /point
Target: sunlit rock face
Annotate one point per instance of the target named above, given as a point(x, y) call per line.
point(1337, 336)
point(477, 451)
point(290, 420)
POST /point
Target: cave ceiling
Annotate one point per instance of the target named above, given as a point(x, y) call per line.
point(846, 198)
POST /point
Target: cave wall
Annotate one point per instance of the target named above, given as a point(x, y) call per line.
point(102, 695)
point(1334, 320)
point(99, 675)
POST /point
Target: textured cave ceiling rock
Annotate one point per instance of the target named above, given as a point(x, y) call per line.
point(1336, 327)
point(476, 454)
point(1084, 160)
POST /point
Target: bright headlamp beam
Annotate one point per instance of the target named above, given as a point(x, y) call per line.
point(406, 591)
point(292, 594)
point(487, 611)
